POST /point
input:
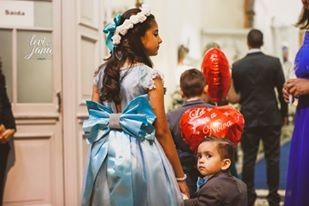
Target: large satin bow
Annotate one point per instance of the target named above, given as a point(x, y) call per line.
point(135, 121)
point(110, 29)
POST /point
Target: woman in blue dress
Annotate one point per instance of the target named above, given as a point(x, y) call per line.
point(298, 171)
point(132, 160)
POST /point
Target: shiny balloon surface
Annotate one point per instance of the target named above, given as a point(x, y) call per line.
point(217, 73)
point(222, 122)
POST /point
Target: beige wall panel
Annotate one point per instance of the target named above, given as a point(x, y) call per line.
point(228, 14)
point(88, 12)
point(88, 64)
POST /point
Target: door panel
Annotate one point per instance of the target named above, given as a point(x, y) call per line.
point(34, 67)
point(6, 36)
point(31, 180)
point(32, 56)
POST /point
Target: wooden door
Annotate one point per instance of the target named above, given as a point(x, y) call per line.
point(31, 59)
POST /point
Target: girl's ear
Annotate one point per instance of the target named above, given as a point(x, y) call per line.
point(226, 163)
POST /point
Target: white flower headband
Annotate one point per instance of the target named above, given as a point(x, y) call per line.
point(140, 17)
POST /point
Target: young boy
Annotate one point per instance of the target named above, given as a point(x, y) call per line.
point(192, 84)
point(218, 186)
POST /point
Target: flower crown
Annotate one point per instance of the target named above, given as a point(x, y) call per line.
point(115, 30)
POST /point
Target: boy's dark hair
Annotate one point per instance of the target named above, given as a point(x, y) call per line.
point(255, 38)
point(226, 148)
point(192, 83)
point(130, 48)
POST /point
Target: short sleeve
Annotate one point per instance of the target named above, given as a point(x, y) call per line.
point(98, 78)
point(147, 77)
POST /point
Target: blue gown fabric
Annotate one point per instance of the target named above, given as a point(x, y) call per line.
point(298, 170)
point(127, 165)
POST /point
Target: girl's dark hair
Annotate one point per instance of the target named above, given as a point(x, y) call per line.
point(131, 49)
point(303, 21)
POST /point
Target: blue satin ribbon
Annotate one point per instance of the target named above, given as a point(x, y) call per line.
point(135, 121)
point(110, 29)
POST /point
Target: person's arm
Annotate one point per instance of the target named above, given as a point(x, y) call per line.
point(233, 96)
point(95, 94)
point(163, 134)
point(9, 128)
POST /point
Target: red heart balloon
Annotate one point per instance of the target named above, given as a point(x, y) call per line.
point(216, 70)
point(222, 122)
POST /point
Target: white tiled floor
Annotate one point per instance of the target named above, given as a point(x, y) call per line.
point(262, 194)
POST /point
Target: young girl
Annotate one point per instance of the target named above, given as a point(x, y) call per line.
point(127, 128)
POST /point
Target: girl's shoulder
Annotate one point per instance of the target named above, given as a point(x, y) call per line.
point(98, 75)
point(147, 75)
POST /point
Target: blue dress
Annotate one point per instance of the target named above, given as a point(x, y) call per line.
point(298, 171)
point(127, 165)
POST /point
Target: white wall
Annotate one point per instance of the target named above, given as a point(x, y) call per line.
point(276, 19)
point(222, 14)
point(179, 23)
point(182, 22)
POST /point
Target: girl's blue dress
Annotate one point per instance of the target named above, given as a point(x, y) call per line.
point(298, 171)
point(127, 165)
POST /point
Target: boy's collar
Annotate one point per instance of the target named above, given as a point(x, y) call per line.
point(193, 99)
point(202, 181)
point(254, 50)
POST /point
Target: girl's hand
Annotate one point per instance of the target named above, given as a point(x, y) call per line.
point(184, 188)
point(184, 197)
point(6, 135)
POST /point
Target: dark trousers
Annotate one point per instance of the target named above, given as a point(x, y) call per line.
point(270, 137)
point(4, 151)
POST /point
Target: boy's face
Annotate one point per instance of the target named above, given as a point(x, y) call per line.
point(209, 160)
